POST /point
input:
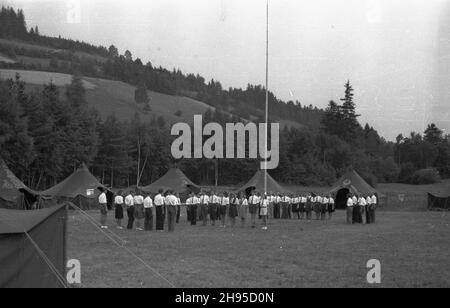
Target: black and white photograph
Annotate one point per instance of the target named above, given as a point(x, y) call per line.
point(225, 150)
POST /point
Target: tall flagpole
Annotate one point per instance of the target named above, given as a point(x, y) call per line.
point(267, 93)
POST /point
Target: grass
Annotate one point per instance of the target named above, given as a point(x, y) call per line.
point(41, 78)
point(413, 249)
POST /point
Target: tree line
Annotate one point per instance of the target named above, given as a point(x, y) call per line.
point(46, 133)
point(108, 63)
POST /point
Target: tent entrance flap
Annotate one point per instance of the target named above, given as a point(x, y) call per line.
point(341, 198)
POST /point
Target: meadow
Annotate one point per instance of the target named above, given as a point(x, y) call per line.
point(413, 249)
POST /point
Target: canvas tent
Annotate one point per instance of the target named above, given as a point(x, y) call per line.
point(257, 183)
point(439, 201)
point(14, 194)
point(175, 180)
point(22, 264)
point(353, 183)
point(80, 188)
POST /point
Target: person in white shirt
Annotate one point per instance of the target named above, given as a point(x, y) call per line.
point(295, 207)
point(103, 204)
point(301, 207)
point(171, 210)
point(148, 207)
point(277, 206)
point(355, 199)
point(285, 203)
point(331, 207)
point(309, 206)
point(253, 202)
point(272, 200)
point(361, 206)
point(195, 202)
point(224, 203)
point(177, 195)
point(129, 203)
point(373, 208)
point(139, 214)
point(160, 210)
point(243, 209)
point(189, 203)
point(233, 209)
point(318, 206)
point(213, 208)
point(291, 205)
point(118, 209)
point(349, 209)
point(264, 205)
point(324, 208)
point(204, 202)
point(367, 209)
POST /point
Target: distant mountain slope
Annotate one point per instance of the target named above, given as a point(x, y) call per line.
point(118, 97)
point(39, 48)
point(109, 96)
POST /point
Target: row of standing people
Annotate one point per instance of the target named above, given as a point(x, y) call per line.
point(143, 211)
point(217, 207)
point(360, 208)
point(265, 206)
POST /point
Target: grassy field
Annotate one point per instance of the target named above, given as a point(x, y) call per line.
point(41, 78)
point(413, 249)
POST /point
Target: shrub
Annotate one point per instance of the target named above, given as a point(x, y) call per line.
point(406, 172)
point(425, 176)
point(147, 108)
point(11, 53)
point(385, 169)
point(178, 113)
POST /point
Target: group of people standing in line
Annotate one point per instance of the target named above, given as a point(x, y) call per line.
point(357, 206)
point(213, 207)
point(265, 206)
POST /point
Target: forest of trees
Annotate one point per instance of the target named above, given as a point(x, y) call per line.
point(110, 64)
point(46, 133)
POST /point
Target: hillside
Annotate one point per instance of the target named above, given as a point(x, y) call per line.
point(178, 93)
point(109, 96)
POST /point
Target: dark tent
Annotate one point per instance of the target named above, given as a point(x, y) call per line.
point(439, 201)
point(353, 183)
point(257, 183)
point(175, 180)
point(81, 188)
point(22, 264)
point(14, 194)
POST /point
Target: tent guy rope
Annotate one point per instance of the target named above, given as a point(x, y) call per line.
point(92, 221)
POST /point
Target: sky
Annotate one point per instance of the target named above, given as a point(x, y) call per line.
point(396, 53)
